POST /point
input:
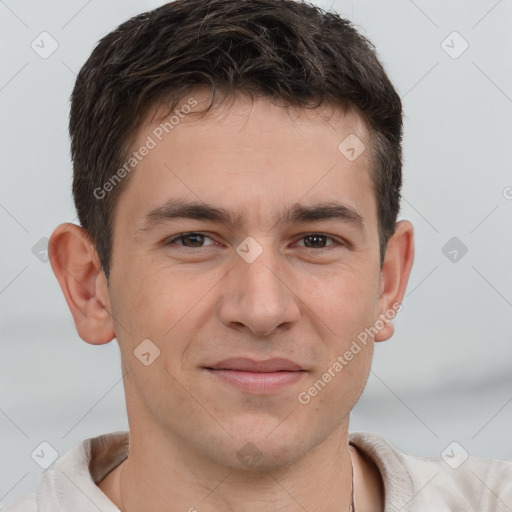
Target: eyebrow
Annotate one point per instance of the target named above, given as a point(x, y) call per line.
point(297, 213)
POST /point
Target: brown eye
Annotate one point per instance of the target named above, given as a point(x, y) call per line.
point(189, 240)
point(318, 241)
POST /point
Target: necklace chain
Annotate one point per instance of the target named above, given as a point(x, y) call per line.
point(123, 509)
point(352, 505)
point(351, 509)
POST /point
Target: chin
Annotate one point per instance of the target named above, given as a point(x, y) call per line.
point(266, 447)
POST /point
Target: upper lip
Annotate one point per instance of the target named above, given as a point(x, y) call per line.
point(250, 365)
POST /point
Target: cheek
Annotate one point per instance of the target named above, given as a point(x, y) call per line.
point(141, 301)
point(345, 305)
point(343, 299)
point(164, 301)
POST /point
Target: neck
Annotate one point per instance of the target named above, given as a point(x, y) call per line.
point(157, 474)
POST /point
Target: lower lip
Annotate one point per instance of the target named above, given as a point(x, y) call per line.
point(258, 382)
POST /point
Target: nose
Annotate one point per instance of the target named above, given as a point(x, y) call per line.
point(259, 296)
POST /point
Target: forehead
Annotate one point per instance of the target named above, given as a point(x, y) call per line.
point(250, 158)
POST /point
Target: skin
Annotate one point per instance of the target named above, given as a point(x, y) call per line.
point(204, 303)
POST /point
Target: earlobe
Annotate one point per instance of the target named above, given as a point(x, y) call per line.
point(395, 273)
point(76, 266)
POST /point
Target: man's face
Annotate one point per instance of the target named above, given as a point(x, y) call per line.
point(266, 287)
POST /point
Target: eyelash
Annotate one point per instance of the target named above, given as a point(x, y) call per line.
point(181, 236)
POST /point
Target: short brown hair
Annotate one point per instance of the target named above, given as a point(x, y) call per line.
point(287, 50)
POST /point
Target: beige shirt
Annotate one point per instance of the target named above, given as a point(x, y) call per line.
point(454, 482)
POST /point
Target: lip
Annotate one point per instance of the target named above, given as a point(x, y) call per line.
point(257, 377)
point(245, 364)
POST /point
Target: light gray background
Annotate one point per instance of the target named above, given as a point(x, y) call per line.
point(444, 376)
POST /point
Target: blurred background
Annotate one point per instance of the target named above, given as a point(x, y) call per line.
point(445, 376)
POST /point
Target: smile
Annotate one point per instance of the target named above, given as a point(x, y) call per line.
point(257, 377)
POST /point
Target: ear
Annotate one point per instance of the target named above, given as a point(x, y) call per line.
point(395, 276)
point(76, 266)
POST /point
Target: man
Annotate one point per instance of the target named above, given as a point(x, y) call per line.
point(237, 176)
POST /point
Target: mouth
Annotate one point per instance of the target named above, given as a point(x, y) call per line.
point(257, 377)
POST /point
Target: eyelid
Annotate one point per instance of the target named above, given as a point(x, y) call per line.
point(301, 236)
point(336, 240)
point(174, 238)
